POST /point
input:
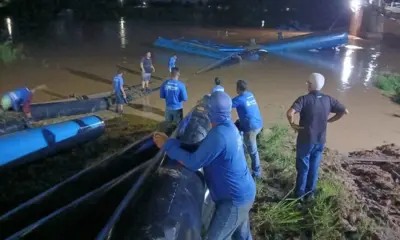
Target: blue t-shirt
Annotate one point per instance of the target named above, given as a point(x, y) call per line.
point(221, 155)
point(118, 82)
point(172, 62)
point(314, 109)
point(147, 64)
point(248, 111)
point(218, 88)
point(174, 93)
point(19, 97)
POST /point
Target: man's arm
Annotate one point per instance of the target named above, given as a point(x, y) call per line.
point(162, 92)
point(141, 65)
point(235, 102)
point(295, 108)
point(208, 150)
point(339, 109)
point(121, 87)
point(183, 93)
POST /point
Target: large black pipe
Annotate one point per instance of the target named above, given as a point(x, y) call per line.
point(68, 108)
point(84, 217)
point(85, 181)
point(172, 210)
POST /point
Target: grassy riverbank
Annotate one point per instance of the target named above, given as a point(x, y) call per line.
point(276, 216)
point(389, 84)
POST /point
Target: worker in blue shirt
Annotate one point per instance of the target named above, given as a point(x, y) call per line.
point(20, 99)
point(120, 95)
point(221, 155)
point(218, 86)
point(250, 123)
point(314, 109)
point(174, 92)
point(172, 62)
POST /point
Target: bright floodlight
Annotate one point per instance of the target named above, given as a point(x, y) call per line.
point(355, 5)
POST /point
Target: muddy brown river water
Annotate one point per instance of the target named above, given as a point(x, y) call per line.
point(73, 57)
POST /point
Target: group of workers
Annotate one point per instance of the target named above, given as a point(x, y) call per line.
point(222, 153)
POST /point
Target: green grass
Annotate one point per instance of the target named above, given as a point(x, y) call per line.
point(8, 53)
point(275, 216)
point(389, 84)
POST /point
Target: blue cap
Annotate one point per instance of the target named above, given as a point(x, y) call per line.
point(220, 107)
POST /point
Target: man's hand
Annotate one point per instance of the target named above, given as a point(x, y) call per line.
point(154, 70)
point(160, 139)
point(296, 127)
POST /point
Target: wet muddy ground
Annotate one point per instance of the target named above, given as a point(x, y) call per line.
point(371, 178)
point(22, 183)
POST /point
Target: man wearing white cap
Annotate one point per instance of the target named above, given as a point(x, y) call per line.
point(314, 109)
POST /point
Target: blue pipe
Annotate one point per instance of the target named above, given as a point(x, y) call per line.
point(308, 41)
point(79, 184)
point(29, 145)
point(195, 48)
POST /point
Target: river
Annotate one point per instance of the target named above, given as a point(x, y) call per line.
point(77, 57)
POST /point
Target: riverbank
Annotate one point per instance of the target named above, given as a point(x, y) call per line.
point(357, 197)
point(25, 182)
point(389, 84)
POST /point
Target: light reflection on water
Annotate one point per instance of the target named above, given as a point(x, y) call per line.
point(347, 68)
point(352, 65)
point(9, 27)
point(122, 33)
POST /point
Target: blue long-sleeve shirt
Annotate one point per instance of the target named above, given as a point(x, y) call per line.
point(223, 161)
point(174, 92)
point(248, 111)
point(19, 97)
point(171, 63)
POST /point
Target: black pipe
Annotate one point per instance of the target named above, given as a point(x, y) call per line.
point(68, 108)
point(88, 179)
point(175, 205)
point(84, 217)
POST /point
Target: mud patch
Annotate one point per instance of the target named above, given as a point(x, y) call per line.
point(371, 179)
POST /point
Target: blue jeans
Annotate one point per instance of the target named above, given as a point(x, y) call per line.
point(173, 115)
point(308, 158)
point(250, 141)
point(230, 222)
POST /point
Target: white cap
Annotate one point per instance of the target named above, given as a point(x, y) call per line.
point(317, 81)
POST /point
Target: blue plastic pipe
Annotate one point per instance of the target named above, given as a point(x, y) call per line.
point(28, 145)
point(200, 49)
point(308, 41)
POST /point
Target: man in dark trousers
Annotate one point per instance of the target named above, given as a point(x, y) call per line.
point(120, 95)
point(146, 65)
point(314, 109)
point(174, 92)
